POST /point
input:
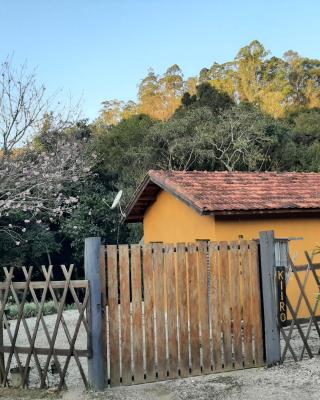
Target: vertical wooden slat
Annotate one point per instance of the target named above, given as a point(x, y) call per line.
point(215, 306)
point(160, 310)
point(194, 309)
point(256, 303)
point(171, 310)
point(247, 325)
point(137, 313)
point(235, 303)
point(204, 306)
point(225, 298)
point(149, 312)
point(103, 307)
point(113, 315)
point(125, 314)
point(182, 309)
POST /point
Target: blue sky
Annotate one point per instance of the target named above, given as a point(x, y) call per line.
point(100, 50)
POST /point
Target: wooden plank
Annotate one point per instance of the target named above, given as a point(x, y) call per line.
point(137, 332)
point(256, 303)
point(204, 306)
point(45, 351)
point(235, 303)
point(216, 316)
point(103, 289)
point(125, 314)
point(113, 315)
point(225, 306)
point(77, 284)
point(247, 323)
point(194, 308)
point(170, 269)
point(158, 266)
point(182, 309)
point(149, 312)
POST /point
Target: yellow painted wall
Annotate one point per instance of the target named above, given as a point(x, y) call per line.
point(170, 220)
point(307, 228)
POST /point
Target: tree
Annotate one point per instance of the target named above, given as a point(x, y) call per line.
point(177, 143)
point(171, 86)
point(249, 62)
point(206, 96)
point(123, 152)
point(224, 77)
point(93, 217)
point(277, 85)
point(22, 104)
point(41, 184)
point(24, 241)
point(150, 101)
point(111, 112)
point(241, 138)
point(274, 87)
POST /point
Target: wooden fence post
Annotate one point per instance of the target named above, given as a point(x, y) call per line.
point(271, 329)
point(97, 366)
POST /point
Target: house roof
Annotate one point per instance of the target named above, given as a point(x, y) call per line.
point(230, 193)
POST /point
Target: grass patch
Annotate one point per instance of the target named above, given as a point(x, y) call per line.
point(31, 309)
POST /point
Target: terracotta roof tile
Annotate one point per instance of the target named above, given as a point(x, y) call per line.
point(227, 191)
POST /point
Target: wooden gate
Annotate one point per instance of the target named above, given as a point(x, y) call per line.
point(181, 310)
point(41, 350)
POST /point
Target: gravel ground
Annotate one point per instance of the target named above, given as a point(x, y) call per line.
point(73, 378)
point(294, 381)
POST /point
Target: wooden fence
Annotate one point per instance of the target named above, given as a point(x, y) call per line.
point(38, 344)
point(300, 334)
point(181, 310)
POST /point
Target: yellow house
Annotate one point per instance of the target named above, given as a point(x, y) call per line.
point(179, 206)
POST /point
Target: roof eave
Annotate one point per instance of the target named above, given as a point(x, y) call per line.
point(147, 180)
point(134, 199)
point(265, 211)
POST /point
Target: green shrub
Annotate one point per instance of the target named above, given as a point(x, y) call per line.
point(31, 309)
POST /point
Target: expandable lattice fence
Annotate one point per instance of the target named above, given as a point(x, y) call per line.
point(301, 335)
point(44, 350)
